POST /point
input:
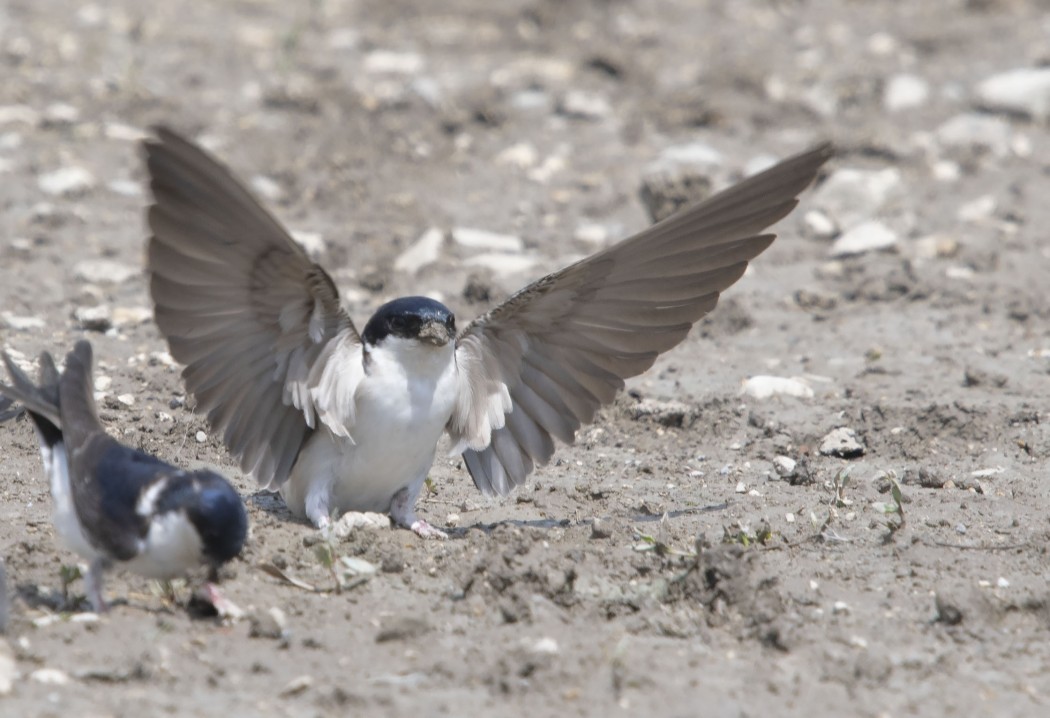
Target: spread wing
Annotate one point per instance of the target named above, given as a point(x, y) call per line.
point(540, 365)
point(269, 351)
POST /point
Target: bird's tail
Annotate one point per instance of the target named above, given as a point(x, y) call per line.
point(40, 400)
point(77, 396)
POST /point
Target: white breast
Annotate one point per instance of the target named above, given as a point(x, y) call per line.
point(63, 511)
point(170, 549)
point(401, 407)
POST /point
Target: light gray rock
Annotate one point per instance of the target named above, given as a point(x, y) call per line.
point(974, 131)
point(393, 63)
point(841, 442)
point(692, 153)
point(483, 239)
point(905, 92)
point(267, 188)
point(104, 271)
point(22, 323)
point(582, 105)
point(866, 237)
point(502, 264)
point(784, 466)
point(312, 242)
point(593, 234)
point(765, 387)
point(852, 196)
point(66, 182)
point(425, 250)
point(94, 319)
point(1023, 91)
point(819, 225)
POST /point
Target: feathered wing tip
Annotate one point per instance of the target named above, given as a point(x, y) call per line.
point(76, 394)
point(40, 402)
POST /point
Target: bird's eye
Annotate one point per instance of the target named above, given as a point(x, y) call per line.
point(398, 323)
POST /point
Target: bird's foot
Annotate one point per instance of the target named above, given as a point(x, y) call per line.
point(210, 593)
point(402, 512)
point(424, 530)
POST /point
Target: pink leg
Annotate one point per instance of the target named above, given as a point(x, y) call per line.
point(402, 511)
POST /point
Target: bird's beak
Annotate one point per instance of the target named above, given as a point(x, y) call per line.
point(436, 333)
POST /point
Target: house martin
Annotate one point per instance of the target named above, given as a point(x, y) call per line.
point(340, 420)
point(114, 505)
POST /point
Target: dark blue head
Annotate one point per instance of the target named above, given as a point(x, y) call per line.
point(412, 318)
point(217, 512)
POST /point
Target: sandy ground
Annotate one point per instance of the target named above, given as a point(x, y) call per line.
point(662, 565)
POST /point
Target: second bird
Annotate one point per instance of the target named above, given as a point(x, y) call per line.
point(341, 420)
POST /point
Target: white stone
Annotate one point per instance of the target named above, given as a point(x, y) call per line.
point(103, 382)
point(905, 92)
point(522, 155)
point(784, 466)
point(533, 72)
point(131, 316)
point(841, 442)
point(933, 246)
point(123, 133)
point(866, 237)
point(359, 520)
point(976, 131)
point(502, 264)
point(61, 113)
point(393, 63)
point(49, 676)
point(66, 182)
point(312, 242)
point(546, 645)
point(946, 171)
point(103, 271)
point(765, 387)
point(758, 164)
point(819, 225)
point(201, 437)
point(96, 319)
point(594, 234)
point(10, 114)
point(20, 323)
point(425, 250)
point(126, 399)
point(8, 668)
point(693, 153)
point(266, 188)
point(584, 105)
point(852, 196)
point(977, 210)
point(483, 239)
point(125, 188)
point(1023, 91)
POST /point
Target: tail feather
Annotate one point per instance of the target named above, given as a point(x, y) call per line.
point(40, 402)
point(76, 395)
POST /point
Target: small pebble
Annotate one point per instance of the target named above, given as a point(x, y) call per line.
point(1023, 91)
point(866, 237)
point(841, 442)
point(425, 250)
point(66, 182)
point(583, 105)
point(94, 319)
point(765, 387)
point(482, 239)
point(201, 437)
